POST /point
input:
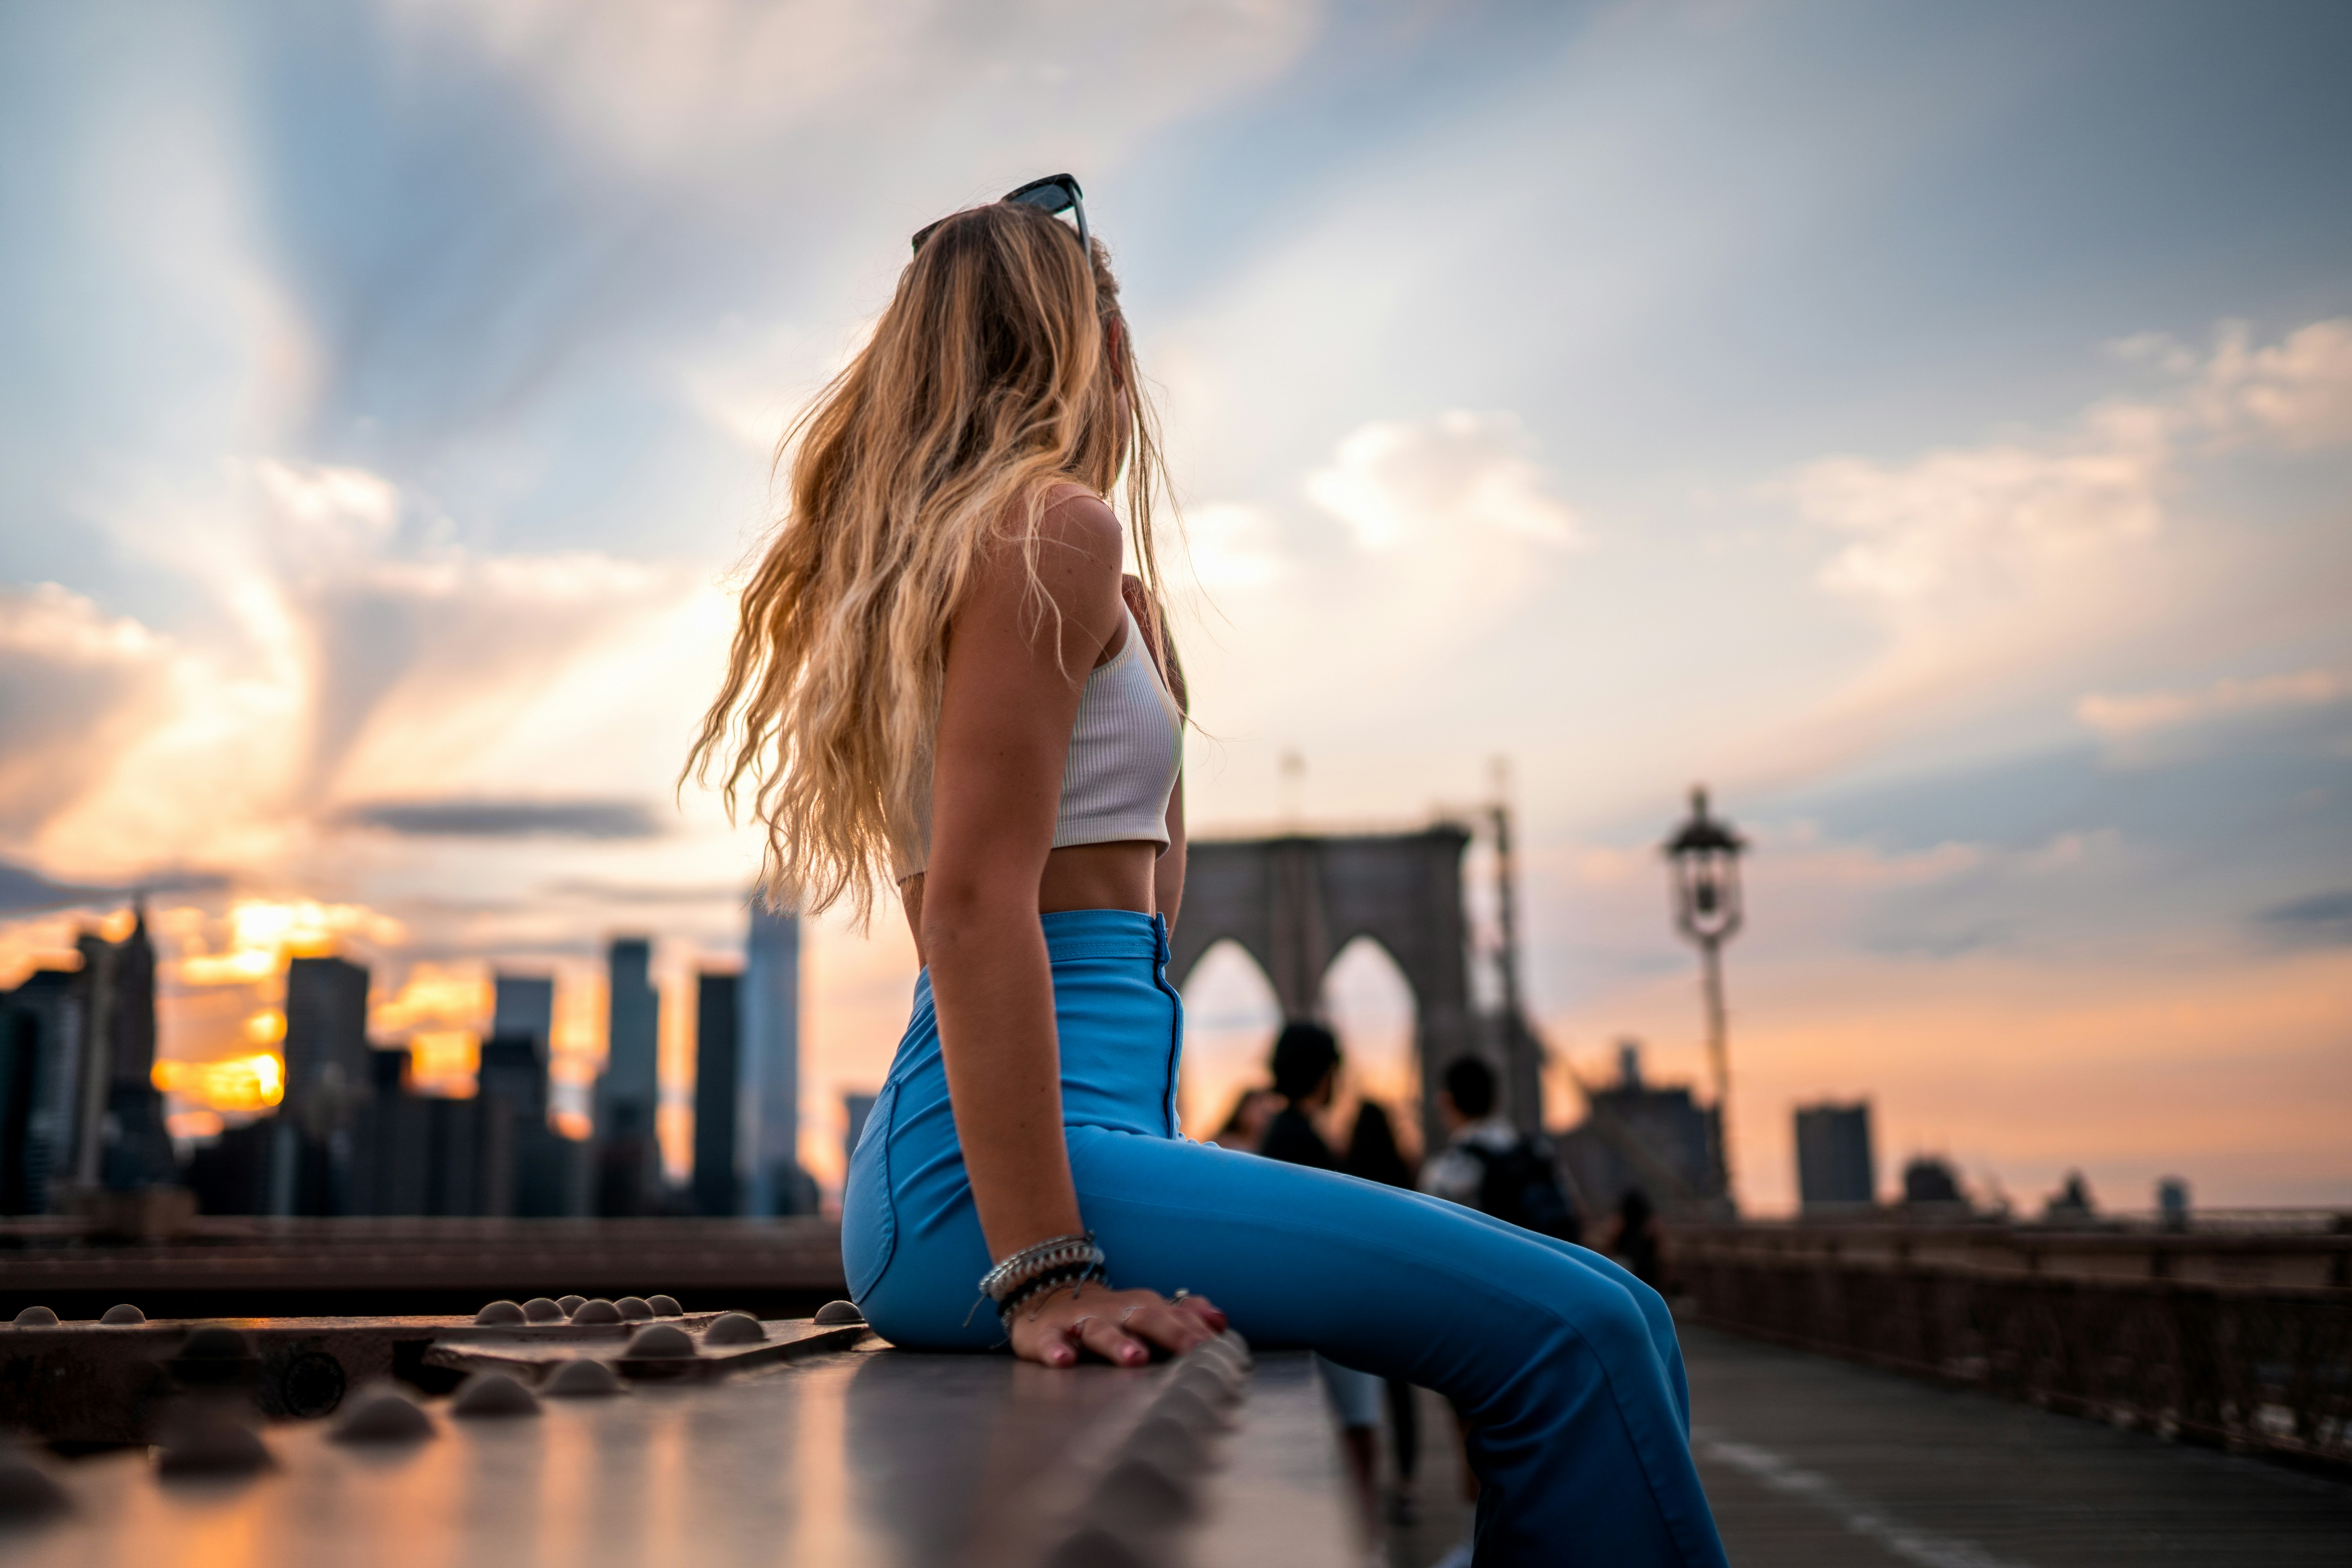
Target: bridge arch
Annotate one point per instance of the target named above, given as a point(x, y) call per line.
point(1293, 901)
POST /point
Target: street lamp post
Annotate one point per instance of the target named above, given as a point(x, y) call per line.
point(1704, 858)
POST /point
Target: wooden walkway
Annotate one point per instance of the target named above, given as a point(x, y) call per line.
point(1814, 1463)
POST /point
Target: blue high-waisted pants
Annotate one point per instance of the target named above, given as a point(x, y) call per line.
point(1565, 1366)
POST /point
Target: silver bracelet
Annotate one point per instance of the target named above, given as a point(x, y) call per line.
point(1050, 1255)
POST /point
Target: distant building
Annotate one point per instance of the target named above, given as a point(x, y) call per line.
point(524, 1005)
point(513, 1070)
point(232, 1174)
point(628, 1093)
point(718, 1064)
point(328, 1058)
point(40, 1062)
point(551, 1174)
point(1835, 1169)
point(1656, 1138)
point(859, 1107)
point(2072, 1203)
point(768, 1109)
point(120, 1140)
point(632, 1073)
point(419, 1155)
point(1930, 1183)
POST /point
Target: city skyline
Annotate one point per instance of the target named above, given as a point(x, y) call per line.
point(390, 395)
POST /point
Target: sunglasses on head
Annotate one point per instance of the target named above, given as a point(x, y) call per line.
point(1054, 194)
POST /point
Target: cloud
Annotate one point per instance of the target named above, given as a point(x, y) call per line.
point(1393, 482)
point(76, 688)
point(1968, 522)
point(1962, 525)
point(689, 88)
point(599, 889)
point(2119, 717)
point(1230, 546)
point(26, 892)
point(2296, 394)
point(1421, 540)
point(348, 661)
point(2322, 917)
point(490, 818)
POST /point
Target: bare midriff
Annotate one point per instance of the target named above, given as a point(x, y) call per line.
point(1080, 877)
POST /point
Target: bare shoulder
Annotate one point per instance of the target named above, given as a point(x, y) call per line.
point(1075, 568)
point(1076, 517)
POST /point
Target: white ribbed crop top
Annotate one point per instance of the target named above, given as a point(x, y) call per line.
point(1127, 747)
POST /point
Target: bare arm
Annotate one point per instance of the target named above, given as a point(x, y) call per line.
point(1005, 713)
point(1006, 708)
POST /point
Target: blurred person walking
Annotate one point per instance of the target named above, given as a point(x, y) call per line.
point(1373, 1156)
point(944, 682)
point(1306, 1073)
point(1635, 1240)
point(1243, 1127)
point(1488, 1166)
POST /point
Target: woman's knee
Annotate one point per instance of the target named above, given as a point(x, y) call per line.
point(1611, 1320)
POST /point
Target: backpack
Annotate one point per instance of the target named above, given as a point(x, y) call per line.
point(1519, 1186)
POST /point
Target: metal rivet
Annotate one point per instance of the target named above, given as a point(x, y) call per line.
point(500, 1313)
point(596, 1311)
point(840, 1313)
point(665, 1305)
point(1214, 1384)
point(571, 1304)
point(1192, 1408)
point(663, 1340)
point(581, 1378)
point(383, 1418)
point(124, 1313)
point(1169, 1443)
point(539, 1309)
point(1139, 1494)
point(494, 1393)
point(633, 1308)
point(37, 1318)
point(209, 1437)
point(734, 1329)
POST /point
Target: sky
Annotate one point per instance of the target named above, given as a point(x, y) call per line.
point(1928, 427)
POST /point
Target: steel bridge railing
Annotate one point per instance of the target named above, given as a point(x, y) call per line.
point(2264, 1368)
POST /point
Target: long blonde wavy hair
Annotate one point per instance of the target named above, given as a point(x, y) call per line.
point(995, 372)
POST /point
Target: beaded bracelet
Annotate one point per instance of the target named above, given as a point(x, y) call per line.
point(1057, 1261)
point(1078, 1274)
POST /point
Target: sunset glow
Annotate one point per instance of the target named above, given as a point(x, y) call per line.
point(248, 1083)
point(1964, 503)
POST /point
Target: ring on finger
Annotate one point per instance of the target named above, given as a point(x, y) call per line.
point(1132, 1308)
point(1076, 1326)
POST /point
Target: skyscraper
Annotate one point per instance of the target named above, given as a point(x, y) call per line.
point(525, 1005)
point(857, 1107)
point(633, 1026)
point(717, 1058)
point(768, 1111)
point(120, 1140)
point(40, 1059)
point(628, 1094)
point(1835, 1169)
point(327, 1060)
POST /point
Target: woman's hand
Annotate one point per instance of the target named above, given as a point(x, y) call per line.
point(1121, 1326)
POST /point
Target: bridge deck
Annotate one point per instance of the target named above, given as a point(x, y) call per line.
point(1815, 1463)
